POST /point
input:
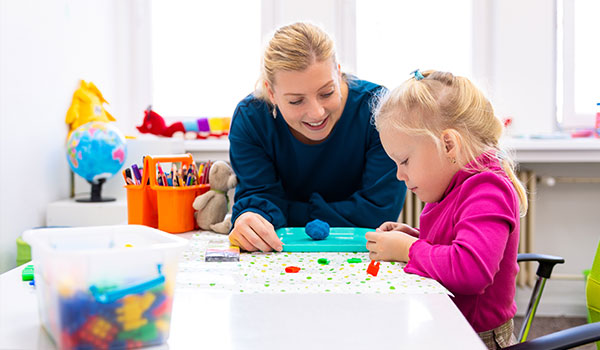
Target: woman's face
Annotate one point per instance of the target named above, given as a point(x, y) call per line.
point(311, 101)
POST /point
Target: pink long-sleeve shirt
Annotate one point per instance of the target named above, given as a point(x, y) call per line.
point(469, 241)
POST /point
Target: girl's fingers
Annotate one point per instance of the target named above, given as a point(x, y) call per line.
point(372, 236)
point(266, 232)
point(250, 234)
point(373, 256)
point(238, 240)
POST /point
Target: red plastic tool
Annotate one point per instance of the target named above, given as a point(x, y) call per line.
point(373, 268)
point(292, 269)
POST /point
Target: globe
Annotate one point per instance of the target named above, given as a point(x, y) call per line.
point(96, 151)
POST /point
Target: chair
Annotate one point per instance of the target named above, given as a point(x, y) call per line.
point(545, 265)
point(592, 291)
point(572, 337)
point(565, 339)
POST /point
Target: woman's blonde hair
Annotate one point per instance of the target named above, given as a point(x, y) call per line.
point(293, 48)
point(440, 101)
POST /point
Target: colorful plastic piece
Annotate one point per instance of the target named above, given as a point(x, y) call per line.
point(161, 308)
point(292, 269)
point(145, 333)
point(98, 332)
point(323, 261)
point(354, 260)
point(130, 314)
point(373, 268)
point(27, 273)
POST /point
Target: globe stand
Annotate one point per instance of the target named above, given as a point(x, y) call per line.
point(96, 193)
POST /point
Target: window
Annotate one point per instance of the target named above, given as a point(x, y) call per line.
point(578, 72)
point(205, 55)
point(396, 37)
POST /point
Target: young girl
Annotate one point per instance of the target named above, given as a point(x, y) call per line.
point(443, 135)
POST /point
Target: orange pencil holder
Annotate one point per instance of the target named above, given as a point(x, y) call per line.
point(164, 207)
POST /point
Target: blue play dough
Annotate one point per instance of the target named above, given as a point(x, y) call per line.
point(317, 229)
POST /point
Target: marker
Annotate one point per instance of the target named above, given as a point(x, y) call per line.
point(205, 175)
point(161, 174)
point(136, 173)
point(169, 181)
point(201, 174)
point(194, 170)
point(184, 173)
point(124, 176)
point(127, 177)
point(190, 177)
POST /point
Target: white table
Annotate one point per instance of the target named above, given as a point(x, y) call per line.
point(225, 320)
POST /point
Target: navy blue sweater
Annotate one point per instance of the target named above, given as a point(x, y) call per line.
point(346, 180)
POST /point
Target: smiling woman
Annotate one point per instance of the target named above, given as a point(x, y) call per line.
point(303, 146)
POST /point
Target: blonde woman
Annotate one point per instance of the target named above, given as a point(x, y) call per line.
point(303, 145)
point(443, 135)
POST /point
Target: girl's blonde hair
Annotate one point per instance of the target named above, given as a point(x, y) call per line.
point(293, 48)
point(440, 101)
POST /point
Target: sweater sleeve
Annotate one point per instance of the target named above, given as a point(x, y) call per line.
point(483, 220)
point(379, 198)
point(258, 190)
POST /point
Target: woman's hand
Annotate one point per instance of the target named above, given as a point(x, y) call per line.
point(389, 245)
point(252, 232)
point(396, 226)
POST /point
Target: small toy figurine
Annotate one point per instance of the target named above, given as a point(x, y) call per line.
point(87, 106)
point(373, 268)
point(212, 206)
point(192, 129)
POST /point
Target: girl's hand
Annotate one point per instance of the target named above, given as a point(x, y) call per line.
point(396, 226)
point(252, 232)
point(389, 246)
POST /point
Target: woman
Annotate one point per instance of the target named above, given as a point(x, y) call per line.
point(303, 146)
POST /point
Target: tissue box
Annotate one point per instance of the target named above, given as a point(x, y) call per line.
point(105, 286)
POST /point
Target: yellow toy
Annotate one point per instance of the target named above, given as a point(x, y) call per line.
point(87, 106)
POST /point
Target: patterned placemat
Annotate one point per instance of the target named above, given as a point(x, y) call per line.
point(265, 273)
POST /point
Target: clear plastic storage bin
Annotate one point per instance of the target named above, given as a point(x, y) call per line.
point(105, 286)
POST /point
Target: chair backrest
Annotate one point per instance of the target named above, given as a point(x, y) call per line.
point(592, 291)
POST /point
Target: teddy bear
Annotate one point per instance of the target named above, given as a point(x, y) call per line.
point(87, 106)
point(212, 206)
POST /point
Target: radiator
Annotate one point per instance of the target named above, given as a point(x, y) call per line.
point(527, 270)
point(411, 210)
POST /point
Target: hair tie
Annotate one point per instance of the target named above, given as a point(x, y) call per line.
point(417, 74)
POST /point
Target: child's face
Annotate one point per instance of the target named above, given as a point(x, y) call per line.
point(424, 168)
point(310, 100)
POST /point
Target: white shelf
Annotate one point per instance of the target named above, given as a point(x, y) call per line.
point(571, 150)
point(527, 150)
point(201, 150)
point(68, 212)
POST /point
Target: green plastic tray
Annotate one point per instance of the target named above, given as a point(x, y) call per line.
point(340, 239)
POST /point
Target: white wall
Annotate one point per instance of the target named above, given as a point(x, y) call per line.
point(45, 48)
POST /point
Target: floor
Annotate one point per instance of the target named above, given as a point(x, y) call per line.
point(545, 325)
